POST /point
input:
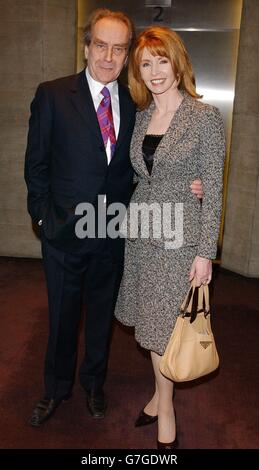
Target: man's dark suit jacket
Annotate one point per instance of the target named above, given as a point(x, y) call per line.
point(66, 161)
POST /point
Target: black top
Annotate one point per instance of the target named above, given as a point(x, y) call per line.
point(149, 146)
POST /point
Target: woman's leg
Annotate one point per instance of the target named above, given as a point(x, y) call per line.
point(166, 416)
point(151, 408)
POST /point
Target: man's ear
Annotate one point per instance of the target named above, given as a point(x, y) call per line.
point(86, 52)
point(126, 61)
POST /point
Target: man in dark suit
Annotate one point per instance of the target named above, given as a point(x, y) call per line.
point(78, 149)
point(67, 162)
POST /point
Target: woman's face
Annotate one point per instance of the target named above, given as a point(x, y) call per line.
point(157, 73)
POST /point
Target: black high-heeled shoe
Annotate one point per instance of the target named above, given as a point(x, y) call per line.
point(168, 445)
point(144, 419)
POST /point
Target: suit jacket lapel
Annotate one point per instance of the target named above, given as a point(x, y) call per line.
point(126, 113)
point(177, 127)
point(138, 137)
point(82, 100)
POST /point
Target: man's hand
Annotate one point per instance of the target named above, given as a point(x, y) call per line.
point(201, 271)
point(196, 188)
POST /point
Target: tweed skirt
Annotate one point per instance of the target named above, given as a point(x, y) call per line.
point(153, 286)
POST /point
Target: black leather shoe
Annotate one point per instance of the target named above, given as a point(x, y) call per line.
point(96, 404)
point(144, 419)
point(167, 445)
point(45, 409)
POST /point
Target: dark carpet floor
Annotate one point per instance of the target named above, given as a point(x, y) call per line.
point(219, 412)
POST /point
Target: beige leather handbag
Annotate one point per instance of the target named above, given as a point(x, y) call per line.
point(191, 352)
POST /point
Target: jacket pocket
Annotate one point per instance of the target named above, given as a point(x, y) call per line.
point(171, 225)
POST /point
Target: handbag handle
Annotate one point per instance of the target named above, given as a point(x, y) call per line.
point(186, 306)
point(203, 299)
point(202, 303)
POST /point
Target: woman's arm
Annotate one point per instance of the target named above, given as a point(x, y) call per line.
point(211, 161)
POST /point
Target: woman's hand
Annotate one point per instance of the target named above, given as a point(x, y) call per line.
point(197, 188)
point(201, 271)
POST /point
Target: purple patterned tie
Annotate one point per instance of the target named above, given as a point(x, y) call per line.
point(104, 115)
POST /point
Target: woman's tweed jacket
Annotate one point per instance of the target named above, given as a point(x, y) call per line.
point(193, 147)
point(155, 279)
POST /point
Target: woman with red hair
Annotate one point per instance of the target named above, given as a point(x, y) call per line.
point(177, 139)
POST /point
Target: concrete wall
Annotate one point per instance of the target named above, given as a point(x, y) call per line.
point(241, 236)
point(38, 43)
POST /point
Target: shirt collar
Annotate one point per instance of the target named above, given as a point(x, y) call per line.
point(96, 87)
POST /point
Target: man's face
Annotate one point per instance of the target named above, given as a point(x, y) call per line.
point(107, 52)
